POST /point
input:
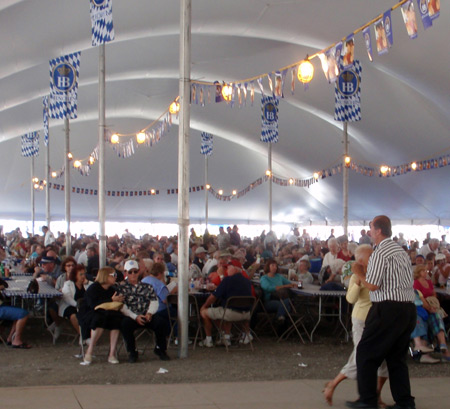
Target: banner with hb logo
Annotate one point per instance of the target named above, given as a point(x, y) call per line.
point(64, 73)
point(102, 21)
point(347, 94)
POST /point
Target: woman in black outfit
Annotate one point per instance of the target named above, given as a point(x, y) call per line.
point(102, 291)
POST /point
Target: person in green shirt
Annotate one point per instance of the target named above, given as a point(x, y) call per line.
point(272, 284)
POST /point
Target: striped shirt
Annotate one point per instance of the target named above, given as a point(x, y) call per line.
point(390, 270)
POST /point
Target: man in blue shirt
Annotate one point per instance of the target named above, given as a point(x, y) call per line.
point(235, 284)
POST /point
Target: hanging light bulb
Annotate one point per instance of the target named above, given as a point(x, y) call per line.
point(174, 107)
point(152, 191)
point(384, 169)
point(208, 187)
point(114, 138)
point(54, 175)
point(268, 172)
point(347, 161)
point(140, 137)
point(35, 180)
point(70, 156)
point(220, 192)
point(91, 160)
point(305, 71)
point(41, 187)
point(77, 164)
point(414, 166)
point(44, 182)
point(36, 185)
point(227, 92)
point(291, 181)
point(316, 175)
point(234, 192)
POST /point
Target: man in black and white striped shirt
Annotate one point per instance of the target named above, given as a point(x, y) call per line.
point(390, 321)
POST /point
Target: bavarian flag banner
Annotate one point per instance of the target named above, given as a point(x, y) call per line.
point(64, 73)
point(347, 94)
point(45, 118)
point(30, 144)
point(206, 147)
point(102, 21)
point(269, 117)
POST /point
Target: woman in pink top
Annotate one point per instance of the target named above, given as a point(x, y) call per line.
point(422, 282)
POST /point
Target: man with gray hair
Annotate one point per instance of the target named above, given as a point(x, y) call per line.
point(431, 247)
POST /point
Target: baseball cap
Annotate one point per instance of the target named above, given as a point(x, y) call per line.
point(46, 260)
point(130, 265)
point(440, 256)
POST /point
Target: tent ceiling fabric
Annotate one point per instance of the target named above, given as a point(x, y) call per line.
point(405, 109)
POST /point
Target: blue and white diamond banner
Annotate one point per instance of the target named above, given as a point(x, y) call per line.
point(102, 21)
point(45, 118)
point(206, 147)
point(347, 94)
point(64, 73)
point(30, 144)
point(269, 117)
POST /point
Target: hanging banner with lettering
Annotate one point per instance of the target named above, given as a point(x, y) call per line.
point(269, 117)
point(388, 27)
point(30, 144)
point(348, 54)
point(206, 147)
point(409, 17)
point(64, 73)
point(423, 9)
point(380, 35)
point(347, 94)
point(434, 9)
point(102, 21)
point(45, 118)
point(368, 42)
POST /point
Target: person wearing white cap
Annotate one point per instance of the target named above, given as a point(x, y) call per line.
point(141, 305)
point(200, 257)
point(442, 272)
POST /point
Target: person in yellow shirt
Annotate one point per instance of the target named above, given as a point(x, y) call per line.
point(358, 295)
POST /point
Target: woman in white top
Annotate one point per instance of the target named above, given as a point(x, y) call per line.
point(73, 290)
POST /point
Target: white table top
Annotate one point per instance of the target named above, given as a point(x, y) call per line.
point(17, 287)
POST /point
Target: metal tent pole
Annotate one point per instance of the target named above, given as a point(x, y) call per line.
point(345, 180)
point(206, 193)
point(67, 187)
point(33, 211)
point(183, 174)
point(270, 186)
point(101, 155)
point(47, 188)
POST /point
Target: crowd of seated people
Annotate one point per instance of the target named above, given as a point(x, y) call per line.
point(279, 262)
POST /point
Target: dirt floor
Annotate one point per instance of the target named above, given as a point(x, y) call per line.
point(48, 364)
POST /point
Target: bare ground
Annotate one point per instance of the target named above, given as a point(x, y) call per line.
point(48, 364)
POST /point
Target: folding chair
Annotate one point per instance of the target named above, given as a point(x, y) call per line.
point(296, 318)
point(260, 311)
point(140, 333)
point(194, 318)
point(240, 303)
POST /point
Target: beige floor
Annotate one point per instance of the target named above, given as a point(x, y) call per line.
point(429, 392)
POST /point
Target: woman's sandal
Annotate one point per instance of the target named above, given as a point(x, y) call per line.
point(21, 346)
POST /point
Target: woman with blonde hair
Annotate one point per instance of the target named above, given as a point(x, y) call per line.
point(103, 304)
point(358, 295)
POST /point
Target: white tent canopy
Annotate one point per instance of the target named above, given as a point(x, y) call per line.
point(405, 109)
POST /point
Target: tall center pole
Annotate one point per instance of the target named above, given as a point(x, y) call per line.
point(206, 193)
point(33, 212)
point(101, 155)
point(270, 185)
point(67, 186)
point(47, 187)
point(345, 180)
point(183, 174)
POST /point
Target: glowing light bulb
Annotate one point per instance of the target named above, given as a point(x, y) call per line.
point(347, 160)
point(384, 169)
point(220, 192)
point(70, 156)
point(227, 92)
point(140, 137)
point(305, 72)
point(174, 107)
point(44, 182)
point(77, 164)
point(41, 187)
point(35, 180)
point(414, 166)
point(54, 175)
point(316, 175)
point(208, 187)
point(91, 160)
point(268, 172)
point(114, 138)
point(291, 181)
point(234, 192)
point(36, 186)
point(152, 191)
